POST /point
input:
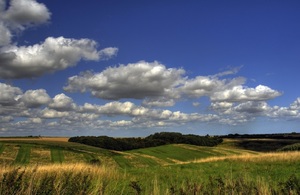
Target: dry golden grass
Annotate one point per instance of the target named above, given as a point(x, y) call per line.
point(79, 178)
point(61, 139)
point(40, 155)
point(75, 168)
point(270, 157)
point(9, 154)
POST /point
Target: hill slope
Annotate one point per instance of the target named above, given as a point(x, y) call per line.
point(173, 154)
point(47, 151)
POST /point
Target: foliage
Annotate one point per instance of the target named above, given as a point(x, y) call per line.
point(157, 139)
point(292, 147)
point(266, 145)
point(292, 135)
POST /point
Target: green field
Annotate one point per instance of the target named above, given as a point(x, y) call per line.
point(49, 166)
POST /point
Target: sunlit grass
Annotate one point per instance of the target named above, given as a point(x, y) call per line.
point(270, 157)
point(171, 169)
point(57, 179)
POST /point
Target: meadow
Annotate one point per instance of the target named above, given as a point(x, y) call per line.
point(55, 166)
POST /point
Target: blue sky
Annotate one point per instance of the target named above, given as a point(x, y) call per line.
point(134, 68)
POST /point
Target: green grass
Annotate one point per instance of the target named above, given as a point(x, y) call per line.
point(57, 155)
point(263, 174)
point(65, 145)
point(168, 169)
point(172, 154)
point(1, 148)
point(74, 152)
point(23, 156)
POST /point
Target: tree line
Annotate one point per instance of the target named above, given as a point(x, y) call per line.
point(157, 139)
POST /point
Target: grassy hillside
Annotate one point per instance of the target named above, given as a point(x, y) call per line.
point(59, 150)
point(173, 154)
point(24, 151)
point(35, 166)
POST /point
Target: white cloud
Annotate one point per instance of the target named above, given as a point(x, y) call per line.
point(253, 107)
point(6, 119)
point(35, 98)
point(9, 94)
point(50, 114)
point(18, 16)
point(108, 52)
point(283, 112)
point(115, 108)
point(158, 102)
point(208, 85)
point(121, 123)
point(26, 13)
point(240, 93)
point(36, 120)
point(52, 55)
point(5, 35)
point(296, 104)
point(138, 81)
point(196, 104)
point(61, 102)
point(221, 105)
point(201, 86)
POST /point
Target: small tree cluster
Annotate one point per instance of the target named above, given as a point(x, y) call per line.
point(157, 139)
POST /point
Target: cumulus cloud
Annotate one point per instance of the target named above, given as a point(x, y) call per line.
point(221, 106)
point(115, 108)
point(138, 80)
point(51, 114)
point(240, 93)
point(283, 112)
point(296, 104)
point(16, 103)
point(8, 94)
point(159, 86)
point(26, 13)
point(208, 85)
point(61, 102)
point(6, 119)
point(5, 34)
point(35, 98)
point(252, 107)
point(158, 102)
point(52, 55)
point(19, 15)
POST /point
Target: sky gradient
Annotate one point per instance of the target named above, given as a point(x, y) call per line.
point(140, 67)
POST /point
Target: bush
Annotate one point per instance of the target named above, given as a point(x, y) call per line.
point(157, 139)
point(293, 147)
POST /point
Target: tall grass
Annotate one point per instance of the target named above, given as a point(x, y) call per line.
point(270, 157)
point(218, 177)
point(57, 179)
